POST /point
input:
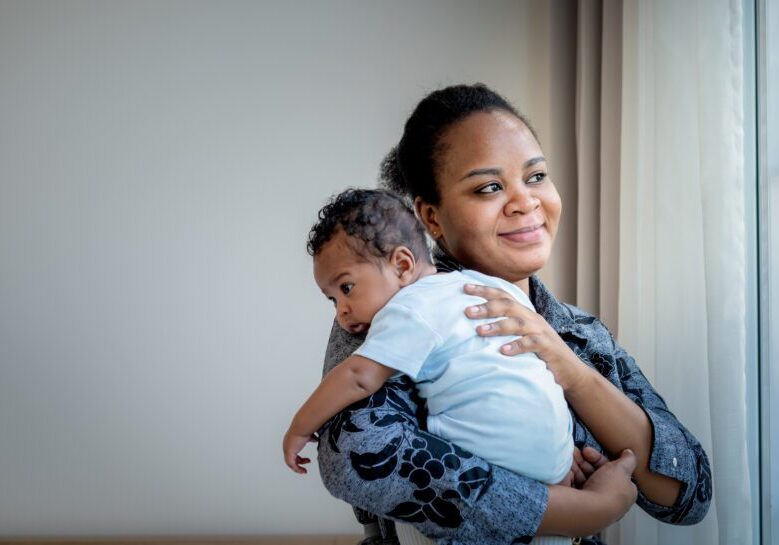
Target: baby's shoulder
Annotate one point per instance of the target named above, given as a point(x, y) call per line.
point(434, 288)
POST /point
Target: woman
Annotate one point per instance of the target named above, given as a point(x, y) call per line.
point(479, 183)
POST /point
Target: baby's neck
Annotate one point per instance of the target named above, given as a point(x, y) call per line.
point(425, 269)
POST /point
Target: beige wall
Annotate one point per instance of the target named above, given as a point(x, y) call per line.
point(160, 164)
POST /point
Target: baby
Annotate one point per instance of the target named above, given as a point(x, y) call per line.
point(371, 260)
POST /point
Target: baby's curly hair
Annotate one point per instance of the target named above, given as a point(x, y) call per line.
point(380, 219)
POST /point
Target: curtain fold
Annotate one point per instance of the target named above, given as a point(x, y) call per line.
point(660, 224)
point(682, 306)
point(597, 126)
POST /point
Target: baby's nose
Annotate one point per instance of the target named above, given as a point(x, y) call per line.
point(342, 309)
point(341, 319)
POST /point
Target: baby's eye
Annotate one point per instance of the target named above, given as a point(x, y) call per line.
point(537, 178)
point(346, 288)
point(332, 300)
point(491, 187)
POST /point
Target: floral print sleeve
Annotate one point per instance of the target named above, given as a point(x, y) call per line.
point(375, 456)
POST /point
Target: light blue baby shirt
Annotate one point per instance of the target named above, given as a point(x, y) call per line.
point(506, 409)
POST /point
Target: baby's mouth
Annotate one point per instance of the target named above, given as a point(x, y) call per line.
point(355, 329)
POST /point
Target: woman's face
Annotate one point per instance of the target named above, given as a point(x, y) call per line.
point(498, 210)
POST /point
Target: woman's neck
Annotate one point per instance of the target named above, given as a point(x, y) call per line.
point(524, 285)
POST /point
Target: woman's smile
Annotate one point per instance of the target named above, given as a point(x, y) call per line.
point(525, 235)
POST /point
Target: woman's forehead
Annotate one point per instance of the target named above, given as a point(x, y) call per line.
point(486, 137)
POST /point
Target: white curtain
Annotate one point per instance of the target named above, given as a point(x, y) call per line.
point(682, 309)
point(656, 172)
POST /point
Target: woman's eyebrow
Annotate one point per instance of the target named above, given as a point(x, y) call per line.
point(483, 171)
point(493, 171)
point(533, 161)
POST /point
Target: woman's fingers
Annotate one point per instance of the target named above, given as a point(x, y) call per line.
point(506, 326)
point(484, 291)
point(494, 308)
point(528, 343)
point(499, 303)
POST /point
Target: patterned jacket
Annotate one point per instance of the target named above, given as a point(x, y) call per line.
point(377, 456)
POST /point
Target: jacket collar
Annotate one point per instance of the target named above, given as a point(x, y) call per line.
point(547, 305)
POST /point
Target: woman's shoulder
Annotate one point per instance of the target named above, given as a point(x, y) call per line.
point(340, 346)
point(574, 325)
point(557, 313)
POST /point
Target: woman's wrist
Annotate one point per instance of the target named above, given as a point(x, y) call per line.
point(575, 377)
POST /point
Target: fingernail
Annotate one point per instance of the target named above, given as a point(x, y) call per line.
point(469, 286)
point(505, 348)
point(474, 310)
point(485, 327)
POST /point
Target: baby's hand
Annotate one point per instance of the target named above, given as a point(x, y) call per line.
point(585, 462)
point(293, 444)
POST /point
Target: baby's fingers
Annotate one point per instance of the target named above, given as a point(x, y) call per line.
point(594, 457)
point(584, 464)
point(295, 463)
point(300, 462)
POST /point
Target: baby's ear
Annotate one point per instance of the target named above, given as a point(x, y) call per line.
point(404, 264)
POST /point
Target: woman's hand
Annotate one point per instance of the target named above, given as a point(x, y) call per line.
point(605, 497)
point(535, 334)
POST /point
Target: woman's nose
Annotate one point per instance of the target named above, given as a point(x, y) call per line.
point(521, 201)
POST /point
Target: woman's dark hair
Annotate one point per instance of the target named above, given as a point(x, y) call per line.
point(380, 219)
point(410, 167)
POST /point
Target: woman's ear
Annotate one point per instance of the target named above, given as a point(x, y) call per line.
point(428, 214)
point(404, 264)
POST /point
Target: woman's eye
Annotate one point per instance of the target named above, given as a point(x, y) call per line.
point(537, 178)
point(332, 300)
point(346, 288)
point(491, 187)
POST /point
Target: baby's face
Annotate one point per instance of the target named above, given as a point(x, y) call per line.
point(358, 288)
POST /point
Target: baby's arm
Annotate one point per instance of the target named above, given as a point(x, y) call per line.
point(352, 380)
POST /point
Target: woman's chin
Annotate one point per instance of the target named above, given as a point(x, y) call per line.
point(529, 262)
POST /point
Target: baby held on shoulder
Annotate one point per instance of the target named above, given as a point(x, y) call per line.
point(371, 260)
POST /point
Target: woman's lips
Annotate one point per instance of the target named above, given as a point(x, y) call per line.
point(529, 234)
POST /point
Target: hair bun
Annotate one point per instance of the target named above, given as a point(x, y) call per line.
point(390, 175)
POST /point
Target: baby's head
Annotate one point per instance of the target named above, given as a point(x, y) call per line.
point(366, 245)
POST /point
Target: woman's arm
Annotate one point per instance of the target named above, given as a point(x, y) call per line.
point(622, 411)
point(672, 471)
point(596, 401)
point(675, 452)
point(374, 456)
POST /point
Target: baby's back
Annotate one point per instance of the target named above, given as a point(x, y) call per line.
point(507, 409)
